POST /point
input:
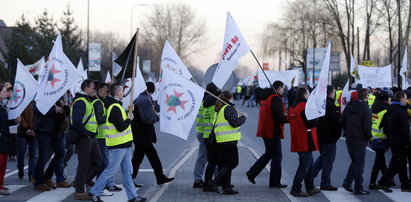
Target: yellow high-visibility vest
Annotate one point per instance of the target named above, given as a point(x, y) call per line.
point(101, 127)
point(113, 136)
point(91, 124)
point(337, 97)
point(371, 100)
point(199, 120)
point(209, 117)
point(375, 128)
point(224, 132)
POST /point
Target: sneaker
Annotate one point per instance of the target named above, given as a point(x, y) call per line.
point(50, 184)
point(374, 186)
point(314, 191)
point(21, 173)
point(299, 194)
point(106, 193)
point(4, 192)
point(42, 187)
point(95, 198)
point(362, 192)
point(114, 188)
point(63, 184)
point(138, 199)
point(198, 184)
point(82, 196)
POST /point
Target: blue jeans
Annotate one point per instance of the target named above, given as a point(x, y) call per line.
point(118, 158)
point(22, 143)
point(304, 172)
point(201, 161)
point(272, 153)
point(325, 163)
point(47, 144)
point(356, 169)
point(104, 164)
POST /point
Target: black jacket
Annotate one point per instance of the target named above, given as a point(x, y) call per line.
point(144, 119)
point(356, 121)
point(79, 109)
point(396, 125)
point(328, 128)
point(116, 118)
point(99, 111)
point(5, 136)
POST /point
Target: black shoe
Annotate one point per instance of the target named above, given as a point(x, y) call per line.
point(251, 179)
point(386, 189)
point(329, 188)
point(362, 192)
point(21, 173)
point(374, 186)
point(314, 191)
point(165, 180)
point(230, 192)
point(280, 186)
point(114, 189)
point(137, 185)
point(198, 184)
point(347, 188)
point(95, 198)
point(211, 186)
point(299, 194)
point(138, 199)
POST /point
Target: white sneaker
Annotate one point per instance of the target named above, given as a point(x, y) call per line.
point(106, 193)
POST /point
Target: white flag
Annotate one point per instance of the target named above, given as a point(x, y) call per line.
point(234, 47)
point(404, 70)
point(35, 68)
point(139, 87)
point(108, 77)
point(76, 87)
point(170, 59)
point(179, 104)
point(59, 76)
point(24, 91)
point(345, 95)
point(81, 70)
point(116, 68)
point(315, 107)
point(58, 43)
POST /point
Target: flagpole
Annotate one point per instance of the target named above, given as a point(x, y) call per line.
point(242, 113)
point(262, 69)
point(134, 70)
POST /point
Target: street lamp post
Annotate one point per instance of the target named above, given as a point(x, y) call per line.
point(132, 10)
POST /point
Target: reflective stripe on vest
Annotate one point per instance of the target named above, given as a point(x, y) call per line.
point(223, 130)
point(91, 125)
point(113, 136)
point(101, 128)
point(199, 119)
point(376, 121)
point(209, 117)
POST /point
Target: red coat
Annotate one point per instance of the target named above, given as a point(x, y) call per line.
point(299, 132)
point(266, 123)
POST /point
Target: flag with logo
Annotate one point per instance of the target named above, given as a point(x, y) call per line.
point(24, 91)
point(59, 76)
point(170, 59)
point(35, 68)
point(139, 87)
point(179, 104)
point(234, 47)
point(404, 70)
point(315, 106)
point(345, 96)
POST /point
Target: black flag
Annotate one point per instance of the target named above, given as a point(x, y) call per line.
point(126, 60)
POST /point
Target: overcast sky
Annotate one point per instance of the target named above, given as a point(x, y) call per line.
point(115, 16)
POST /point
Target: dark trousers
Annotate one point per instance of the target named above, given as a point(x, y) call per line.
point(325, 163)
point(56, 165)
point(409, 160)
point(89, 160)
point(356, 169)
point(272, 153)
point(22, 144)
point(214, 159)
point(397, 165)
point(229, 162)
point(379, 165)
point(304, 172)
point(150, 151)
point(47, 144)
point(69, 150)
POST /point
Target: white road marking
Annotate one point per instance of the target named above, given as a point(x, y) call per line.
point(340, 196)
point(14, 172)
point(13, 188)
point(58, 194)
point(397, 195)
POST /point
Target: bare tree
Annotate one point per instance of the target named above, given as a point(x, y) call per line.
point(176, 23)
point(372, 16)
